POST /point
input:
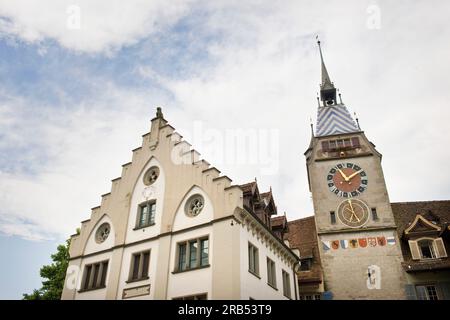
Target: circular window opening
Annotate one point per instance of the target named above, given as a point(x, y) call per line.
point(194, 205)
point(151, 175)
point(102, 232)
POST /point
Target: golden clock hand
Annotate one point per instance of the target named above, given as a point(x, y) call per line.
point(351, 214)
point(354, 174)
point(343, 175)
point(351, 206)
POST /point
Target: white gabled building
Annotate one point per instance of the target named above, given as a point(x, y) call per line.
point(173, 228)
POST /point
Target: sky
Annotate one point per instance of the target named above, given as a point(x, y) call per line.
point(80, 81)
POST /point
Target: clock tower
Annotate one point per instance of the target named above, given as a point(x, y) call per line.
point(359, 247)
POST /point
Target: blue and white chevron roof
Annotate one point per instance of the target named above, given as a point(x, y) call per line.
point(334, 120)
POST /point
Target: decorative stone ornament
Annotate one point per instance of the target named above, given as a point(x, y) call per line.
point(151, 175)
point(194, 205)
point(148, 192)
point(102, 232)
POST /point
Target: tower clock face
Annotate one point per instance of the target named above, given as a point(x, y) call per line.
point(347, 180)
point(353, 213)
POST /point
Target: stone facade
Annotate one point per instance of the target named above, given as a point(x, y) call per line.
point(346, 270)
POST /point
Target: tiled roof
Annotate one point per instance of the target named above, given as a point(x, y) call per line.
point(302, 235)
point(405, 212)
point(278, 221)
point(413, 266)
point(248, 187)
point(438, 213)
point(334, 119)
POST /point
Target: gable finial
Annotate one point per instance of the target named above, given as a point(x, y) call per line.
point(357, 120)
point(159, 113)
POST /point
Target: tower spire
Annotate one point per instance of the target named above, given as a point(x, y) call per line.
point(327, 89)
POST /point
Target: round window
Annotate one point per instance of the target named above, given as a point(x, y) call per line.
point(151, 175)
point(194, 205)
point(102, 232)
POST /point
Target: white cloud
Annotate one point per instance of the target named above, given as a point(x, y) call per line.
point(265, 76)
point(86, 25)
point(84, 147)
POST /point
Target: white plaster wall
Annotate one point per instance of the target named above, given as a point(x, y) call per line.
point(99, 294)
point(190, 282)
point(182, 221)
point(126, 265)
point(92, 245)
point(256, 288)
point(157, 194)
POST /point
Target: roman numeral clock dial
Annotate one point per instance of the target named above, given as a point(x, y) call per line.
point(347, 180)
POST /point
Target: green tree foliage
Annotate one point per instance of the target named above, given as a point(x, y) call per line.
point(54, 275)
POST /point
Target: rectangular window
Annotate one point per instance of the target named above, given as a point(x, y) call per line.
point(286, 284)
point(95, 275)
point(355, 142)
point(192, 254)
point(427, 292)
point(332, 144)
point(347, 143)
point(182, 257)
point(333, 217)
point(193, 297)
point(305, 265)
point(253, 259)
point(146, 214)
point(204, 247)
point(374, 214)
point(340, 144)
point(271, 273)
point(325, 146)
point(426, 249)
point(139, 266)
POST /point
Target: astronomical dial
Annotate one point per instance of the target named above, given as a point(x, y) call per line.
point(353, 213)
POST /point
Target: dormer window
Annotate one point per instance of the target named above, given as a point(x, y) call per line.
point(426, 249)
point(305, 264)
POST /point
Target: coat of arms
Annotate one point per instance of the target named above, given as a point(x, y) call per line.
point(362, 242)
point(381, 241)
point(372, 241)
point(335, 244)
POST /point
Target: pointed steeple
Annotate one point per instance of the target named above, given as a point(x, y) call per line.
point(327, 89)
point(332, 116)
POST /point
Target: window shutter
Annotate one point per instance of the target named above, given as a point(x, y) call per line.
point(445, 290)
point(410, 292)
point(440, 248)
point(325, 146)
point(414, 248)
